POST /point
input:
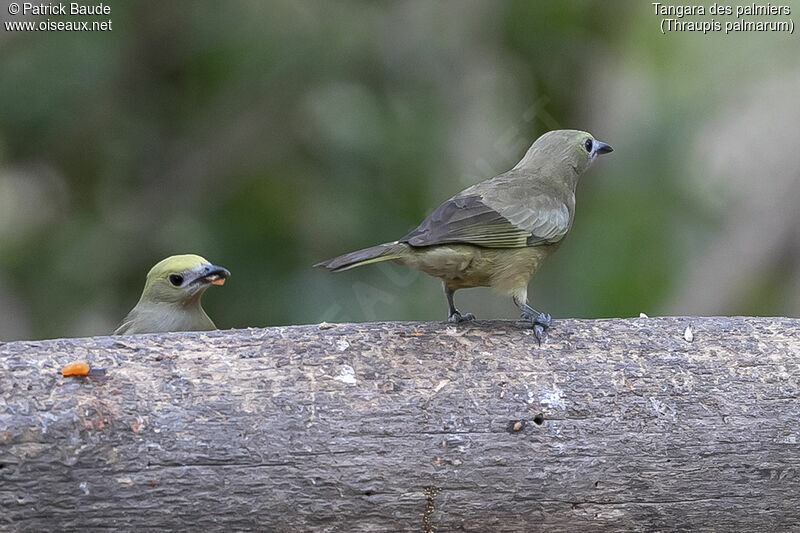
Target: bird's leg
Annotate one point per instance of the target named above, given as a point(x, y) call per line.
point(539, 321)
point(452, 313)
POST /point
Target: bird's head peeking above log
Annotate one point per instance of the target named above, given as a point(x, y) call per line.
point(182, 279)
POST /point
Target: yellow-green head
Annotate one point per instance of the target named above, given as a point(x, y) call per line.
point(170, 300)
point(182, 279)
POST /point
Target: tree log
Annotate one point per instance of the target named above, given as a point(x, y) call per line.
point(608, 425)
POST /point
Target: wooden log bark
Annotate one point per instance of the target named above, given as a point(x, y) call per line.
point(608, 425)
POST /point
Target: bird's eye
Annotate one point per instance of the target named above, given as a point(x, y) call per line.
point(176, 279)
point(588, 145)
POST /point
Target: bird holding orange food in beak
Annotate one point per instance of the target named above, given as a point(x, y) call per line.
point(171, 297)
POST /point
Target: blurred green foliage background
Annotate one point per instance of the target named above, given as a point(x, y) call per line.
point(267, 136)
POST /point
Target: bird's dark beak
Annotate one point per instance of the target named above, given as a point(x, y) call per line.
point(215, 275)
point(602, 148)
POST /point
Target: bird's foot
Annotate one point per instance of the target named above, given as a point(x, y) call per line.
point(536, 320)
point(456, 317)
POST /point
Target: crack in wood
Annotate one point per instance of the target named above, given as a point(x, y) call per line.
point(430, 493)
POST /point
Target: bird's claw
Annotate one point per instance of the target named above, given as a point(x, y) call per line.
point(457, 317)
point(539, 332)
point(538, 321)
point(535, 317)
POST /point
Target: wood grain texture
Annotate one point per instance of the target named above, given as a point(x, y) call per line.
point(609, 425)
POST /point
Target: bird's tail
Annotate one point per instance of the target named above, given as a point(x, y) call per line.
point(374, 254)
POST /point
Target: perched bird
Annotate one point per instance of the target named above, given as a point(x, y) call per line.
point(497, 232)
point(170, 300)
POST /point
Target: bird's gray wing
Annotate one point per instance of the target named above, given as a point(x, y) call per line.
point(530, 219)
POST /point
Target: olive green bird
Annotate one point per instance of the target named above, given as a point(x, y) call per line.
point(170, 300)
point(498, 232)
